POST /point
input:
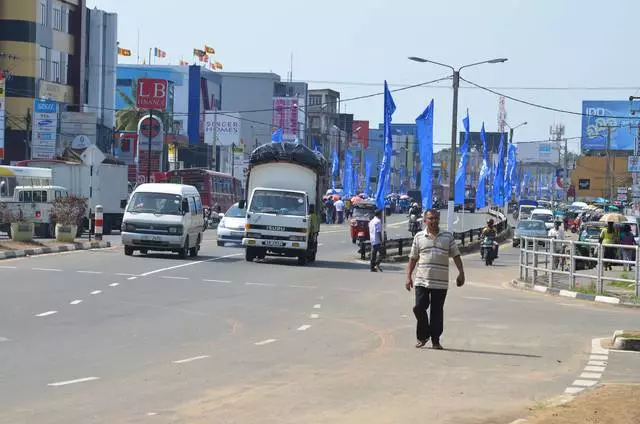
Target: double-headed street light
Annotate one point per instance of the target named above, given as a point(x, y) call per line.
point(511, 129)
point(454, 126)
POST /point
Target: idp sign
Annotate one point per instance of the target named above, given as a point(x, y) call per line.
point(151, 93)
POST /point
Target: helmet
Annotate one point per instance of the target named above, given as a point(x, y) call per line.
point(490, 221)
point(414, 205)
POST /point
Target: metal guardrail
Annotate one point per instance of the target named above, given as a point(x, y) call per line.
point(558, 262)
point(405, 242)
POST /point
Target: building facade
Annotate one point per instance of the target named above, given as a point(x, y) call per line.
point(42, 52)
point(322, 112)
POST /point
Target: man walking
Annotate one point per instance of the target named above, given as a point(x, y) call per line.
point(375, 235)
point(431, 251)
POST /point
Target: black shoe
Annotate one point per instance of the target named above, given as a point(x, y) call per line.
point(374, 270)
point(421, 343)
point(436, 345)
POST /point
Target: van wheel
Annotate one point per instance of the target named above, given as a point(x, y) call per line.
point(193, 252)
point(249, 254)
point(302, 259)
point(128, 250)
point(182, 253)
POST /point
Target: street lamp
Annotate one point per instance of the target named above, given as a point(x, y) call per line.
point(454, 126)
point(513, 128)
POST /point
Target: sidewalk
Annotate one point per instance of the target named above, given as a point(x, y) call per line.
point(10, 249)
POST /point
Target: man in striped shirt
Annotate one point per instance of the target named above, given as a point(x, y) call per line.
point(430, 253)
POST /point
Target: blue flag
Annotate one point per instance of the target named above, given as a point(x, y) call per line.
point(481, 200)
point(389, 108)
point(461, 174)
point(402, 172)
point(348, 173)
point(510, 174)
point(413, 179)
point(424, 129)
point(335, 163)
point(315, 144)
point(498, 176)
point(276, 136)
point(368, 166)
point(356, 179)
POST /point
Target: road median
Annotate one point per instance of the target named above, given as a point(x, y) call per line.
point(10, 249)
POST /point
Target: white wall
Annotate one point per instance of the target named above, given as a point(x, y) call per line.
point(101, 74)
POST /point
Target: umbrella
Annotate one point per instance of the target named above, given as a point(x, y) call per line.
point(613, 217)
point(404, 197)
point(356, 199)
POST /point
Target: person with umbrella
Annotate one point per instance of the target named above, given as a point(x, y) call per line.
point(609, 236)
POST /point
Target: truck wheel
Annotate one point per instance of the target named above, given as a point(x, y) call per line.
point(249, 254)
point(193, 252)
point(182, 253)
point(220, 243)
point(128, 250)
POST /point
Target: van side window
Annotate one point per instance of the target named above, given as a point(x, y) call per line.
point(58, 194)
point(198, 205)
point(21, 196)
point(44, 196)
point(28, 196)
point(192, 206)
point(37, 196)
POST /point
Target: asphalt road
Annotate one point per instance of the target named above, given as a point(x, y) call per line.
point(95, 337)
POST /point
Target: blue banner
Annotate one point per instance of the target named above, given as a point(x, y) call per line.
point(616, 113)
point(389, 108)
point(424, 129)
point(348, 173)
point(481, 200)
point(315, 144)
point(276, 136)
point(510, 175)
point(498, 176)
point(461, 174)
point(335, 163)
point(368, 166)
point(402, 172)
point(356, 179)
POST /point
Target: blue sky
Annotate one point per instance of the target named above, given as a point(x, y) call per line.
point(352, 46)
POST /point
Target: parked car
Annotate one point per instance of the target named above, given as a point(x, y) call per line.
point(231, 226)
point(529, 228)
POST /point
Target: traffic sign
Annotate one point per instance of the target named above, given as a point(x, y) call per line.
point(151, 93)
point(150, 127)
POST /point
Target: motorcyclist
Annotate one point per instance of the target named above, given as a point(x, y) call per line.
point(491, 232)
point(414, 225)
point(415, 209)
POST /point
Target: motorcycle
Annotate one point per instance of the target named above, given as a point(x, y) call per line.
point(414, 224)
point(488, 250)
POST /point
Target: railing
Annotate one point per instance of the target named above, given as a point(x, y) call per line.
point(557, 264)
point(404, 243)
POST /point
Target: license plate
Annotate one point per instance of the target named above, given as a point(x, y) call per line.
point(274, 243)
point(151, 238)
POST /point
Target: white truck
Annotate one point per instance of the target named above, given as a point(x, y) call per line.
point(285, 185)
point(108, 186)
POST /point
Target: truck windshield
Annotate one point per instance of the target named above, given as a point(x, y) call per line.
point(278, 203)
point(158, 203)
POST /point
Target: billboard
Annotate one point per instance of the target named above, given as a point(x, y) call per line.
point(227, 126)
point(493, 140)
point(45, 127)
point(2, 112)
point(285, 116)
point(600, 114)
point(75, 124)
point(536, 152)
point(360, 133)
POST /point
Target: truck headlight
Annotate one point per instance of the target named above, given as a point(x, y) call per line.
point(130, 228)
point(175, 230)
point(297, 238)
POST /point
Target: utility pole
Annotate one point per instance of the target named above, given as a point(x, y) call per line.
point(609, 185)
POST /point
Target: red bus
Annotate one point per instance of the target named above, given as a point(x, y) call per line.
point(214, 187)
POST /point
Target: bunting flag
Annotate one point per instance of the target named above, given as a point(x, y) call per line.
point(276, 136)
point(209, 50)
point(389, 109)
point(124, 52)
point(499, 176)
point(402, 188)
point(314, 141)
point(348, 173)
point(510, 174)
point(356, 179)
point(481, 200)
point(368, 166)
point(335, 163)
point(159, 53)
point(218, 65)
point(424, 129)
point(461, 174)
point(198, 52)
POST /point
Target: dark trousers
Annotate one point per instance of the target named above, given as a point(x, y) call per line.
point(376, 255)
point(432, 299)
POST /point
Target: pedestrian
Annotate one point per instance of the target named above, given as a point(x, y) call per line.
point(608, 236)
point(329, 210)
point(375, 236)
point(627, 238)
point(430, 253)
point(339, 205)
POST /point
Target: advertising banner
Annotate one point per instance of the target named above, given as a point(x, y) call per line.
point(2, 113)
point(45, 126)
point(227, 128)
point(285, 116)
point(634, 164)
point(600, 114)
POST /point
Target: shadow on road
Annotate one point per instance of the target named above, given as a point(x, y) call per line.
point(486, 352)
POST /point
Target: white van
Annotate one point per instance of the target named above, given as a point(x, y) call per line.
point(163, 217)
point(544, 215)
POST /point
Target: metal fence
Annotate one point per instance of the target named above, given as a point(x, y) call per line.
point(582, 266)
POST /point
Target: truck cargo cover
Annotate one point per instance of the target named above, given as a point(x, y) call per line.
point(289, 152)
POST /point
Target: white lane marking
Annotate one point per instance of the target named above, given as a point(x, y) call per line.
point(260, 284)
point(304, 327)
point(156, 271)
point(89, 272)
point(47, 269)
point(114, 284)
point(218, 281)
point(132, 278)
point(598, 357)
point(195, 358)
point(476, 298)
point(584, 383)
point(299, 286)
point(75, 302)
point(593, 375)
point(575, 305)
point(594, 369)
point(124, 274)
point(46, 314)
point(151, 414)
point(7, 267)
point(314, 316)
point(597, 349)
point(317, 306)
point(168, 277)
point(573, 390)
point(598, 363)
point(78, 380)
point(265, 342)
point(96, 292)
point(3, 339)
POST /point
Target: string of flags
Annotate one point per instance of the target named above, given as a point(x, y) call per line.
point(124, 52)
point(203, 55)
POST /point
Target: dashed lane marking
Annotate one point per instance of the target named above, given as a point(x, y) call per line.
point(169, 277)
point(89, 272)
point(46, 314)
point(584, 383)
point(218, 281)
point(598, 357)
point(317, 306)
point(592, 368)
point(75, 302)
point(477, 298)
point(594, 375)
point(132, 278)
point(265, 342)
point(7, 267)
point(301, 286)
point(592, 372)
point(259, 284)
point(3, 339)
point(314, 316)
point(47, 269)
point(114, 284)
point(124, 274)
point(304, 327)
point(195, 358)
point(78, 380)
point(96, 292)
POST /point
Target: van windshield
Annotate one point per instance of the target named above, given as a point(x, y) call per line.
point(158, 203)
point(278, 203)
point(525, 211)
point(542, 217)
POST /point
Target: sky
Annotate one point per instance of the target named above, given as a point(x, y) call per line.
point(559, 52)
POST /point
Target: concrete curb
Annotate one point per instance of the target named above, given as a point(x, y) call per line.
point(571, 294)
point(10, 254)
point(624, 343)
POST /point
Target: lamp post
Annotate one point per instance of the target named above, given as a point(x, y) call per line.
point(454, 126)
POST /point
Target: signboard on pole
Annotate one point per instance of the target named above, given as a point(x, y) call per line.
point(634, 164)
point(285, 116)
point(151, 93)
point(225, 125)
point(44, 132)
point(2, 112)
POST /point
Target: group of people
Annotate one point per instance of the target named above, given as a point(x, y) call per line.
point(610, 235)
point(336, 210)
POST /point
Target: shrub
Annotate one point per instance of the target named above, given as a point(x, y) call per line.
point(69, 210)
point(7, 216)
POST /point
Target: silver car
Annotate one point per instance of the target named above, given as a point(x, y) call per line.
point(231, 226)
point(529, 228)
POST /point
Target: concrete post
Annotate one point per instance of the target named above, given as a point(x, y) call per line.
point(99, 222)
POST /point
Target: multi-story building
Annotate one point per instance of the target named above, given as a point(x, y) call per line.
point(322, 113)
point(42, 52)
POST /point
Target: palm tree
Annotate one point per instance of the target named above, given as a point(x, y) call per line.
point(127, 119)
